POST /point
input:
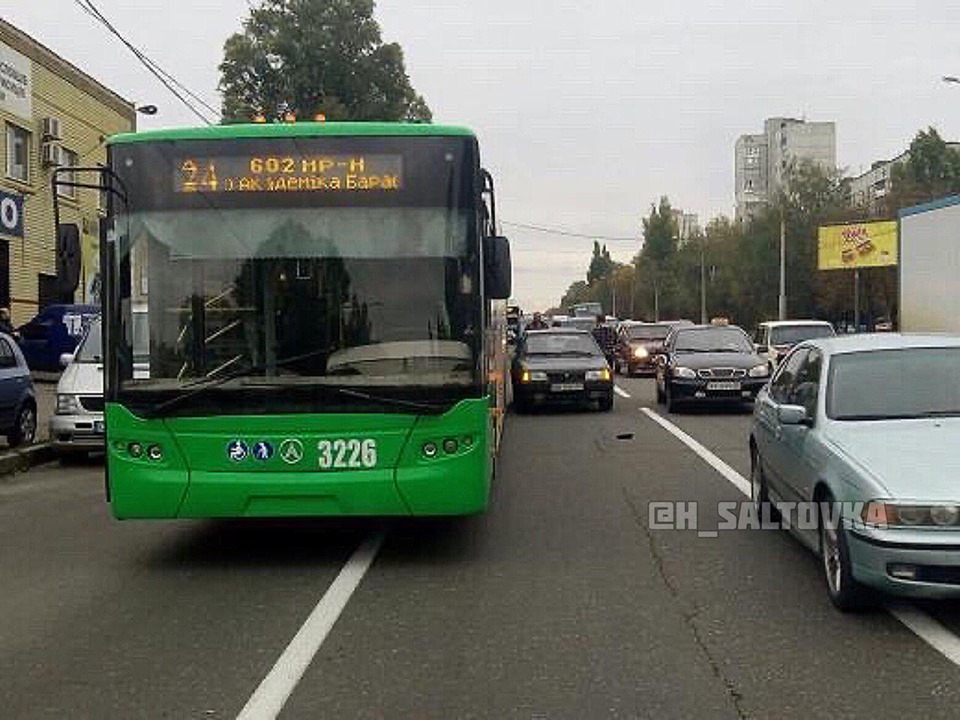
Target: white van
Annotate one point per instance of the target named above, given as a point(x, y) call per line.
point(76, 427)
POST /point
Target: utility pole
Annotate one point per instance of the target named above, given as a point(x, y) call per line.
point(782, 305)
point(703, 283)
point(856, 300)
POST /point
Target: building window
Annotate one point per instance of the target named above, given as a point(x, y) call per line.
point(70, 159)
point(18, 153)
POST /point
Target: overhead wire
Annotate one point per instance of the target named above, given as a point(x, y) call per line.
point(568, 233)
point(174, 86)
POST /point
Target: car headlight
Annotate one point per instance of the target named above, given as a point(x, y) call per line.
point(880, 513)
point(760, 371)
point(640, 352)
point(684, 372)
point(533, 376)
point(67, 404)
point(602, 374)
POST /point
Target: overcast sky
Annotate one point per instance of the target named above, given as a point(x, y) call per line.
point(587, 112)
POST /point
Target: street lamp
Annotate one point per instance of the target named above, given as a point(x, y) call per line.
point(951, 79)
point(147, 109)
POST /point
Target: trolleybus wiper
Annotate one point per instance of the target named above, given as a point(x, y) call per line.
point(201, 385)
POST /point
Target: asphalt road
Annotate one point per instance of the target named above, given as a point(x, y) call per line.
point(560, 602)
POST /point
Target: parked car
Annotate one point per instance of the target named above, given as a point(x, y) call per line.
point(866, 428)
point(560, 366)
point(640, 344)
point(77, 426)
point(18, 402)
point(54, 331)
point(708, 363)
point(775, 338)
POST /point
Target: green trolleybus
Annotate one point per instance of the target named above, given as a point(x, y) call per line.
point(320, 307)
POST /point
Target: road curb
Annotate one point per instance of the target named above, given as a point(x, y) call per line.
point(16, 461)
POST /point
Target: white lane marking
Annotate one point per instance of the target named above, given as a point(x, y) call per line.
point(270, 696)
point(620, 391)
point(919, 623)
point(929, 630)
point(716, 463)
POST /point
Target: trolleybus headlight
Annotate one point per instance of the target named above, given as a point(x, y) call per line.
point(135, 449)
point(450, 446)
point(430, 449)
point(155, 452)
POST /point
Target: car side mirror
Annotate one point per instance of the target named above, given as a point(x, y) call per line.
point(793, 415)
point(661, 360)
point(66, 359)
point(498, 270)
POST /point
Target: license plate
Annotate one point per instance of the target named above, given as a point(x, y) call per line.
point(724, 386)
point(566, 387)
point(98, 426)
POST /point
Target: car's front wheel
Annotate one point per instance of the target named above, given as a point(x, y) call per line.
point(758, 489)
point(606, 403)
point(845, 592)
point(24, 429)
point(669, 399)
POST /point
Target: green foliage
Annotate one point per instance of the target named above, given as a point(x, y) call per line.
point(660, 234)
point(316, 56)
point(601, 265)
point(932, 170)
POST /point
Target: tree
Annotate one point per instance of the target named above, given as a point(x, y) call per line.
point(316, 56)
point(931, 170)
point(601, 265)
point(660, 234)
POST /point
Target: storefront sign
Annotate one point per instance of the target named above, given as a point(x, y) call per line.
point(16, 83)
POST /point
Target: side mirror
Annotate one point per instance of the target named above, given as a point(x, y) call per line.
point(661, 360)
point(793, 415)
point(498, 270)
point(66, 359)
point(68, 260)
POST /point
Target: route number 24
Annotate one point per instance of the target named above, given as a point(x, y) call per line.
point(351, 454)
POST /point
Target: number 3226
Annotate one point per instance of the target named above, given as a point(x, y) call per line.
point(353, 453)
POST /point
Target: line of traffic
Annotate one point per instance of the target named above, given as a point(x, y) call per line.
point(919, 623)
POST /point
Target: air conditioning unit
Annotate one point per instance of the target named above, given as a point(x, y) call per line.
point(51, 154)
point(51, 129)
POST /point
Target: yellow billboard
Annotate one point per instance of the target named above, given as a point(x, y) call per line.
point(857, 245)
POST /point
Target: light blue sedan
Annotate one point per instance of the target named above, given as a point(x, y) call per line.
point(855, 445)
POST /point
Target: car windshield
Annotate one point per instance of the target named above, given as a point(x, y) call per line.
point(793, 334)
point(580, 323)
point(90, 349)
point(894, 384)
point(561, 344)
point(648, 332)
point(726, 339)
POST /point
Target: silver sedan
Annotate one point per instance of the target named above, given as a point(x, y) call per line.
point(855, 446)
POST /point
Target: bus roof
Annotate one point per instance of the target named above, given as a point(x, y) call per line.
point(296, 129)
